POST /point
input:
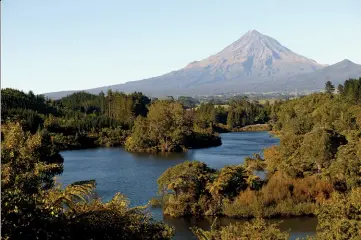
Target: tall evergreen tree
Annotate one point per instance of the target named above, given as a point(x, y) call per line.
point(329, 87)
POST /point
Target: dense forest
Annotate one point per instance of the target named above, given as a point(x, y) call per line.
point(80, 120)
point(84, 120)
point(316, 169)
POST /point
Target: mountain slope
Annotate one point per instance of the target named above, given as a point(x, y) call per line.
point(257, 55)
point(336, 73)
point(253, 63)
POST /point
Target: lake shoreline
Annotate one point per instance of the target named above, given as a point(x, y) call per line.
point(215, 141)
point(135, 174)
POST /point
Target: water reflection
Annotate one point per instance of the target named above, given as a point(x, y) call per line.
point(161, 156)
point(299, 227)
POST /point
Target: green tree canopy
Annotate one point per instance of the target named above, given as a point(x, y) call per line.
point(165, 128)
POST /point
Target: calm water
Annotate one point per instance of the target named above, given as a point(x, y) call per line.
point(135, 175)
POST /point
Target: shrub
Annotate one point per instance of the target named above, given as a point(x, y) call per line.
point(257, 229)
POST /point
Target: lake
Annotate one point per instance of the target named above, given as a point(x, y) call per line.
point(135, 175)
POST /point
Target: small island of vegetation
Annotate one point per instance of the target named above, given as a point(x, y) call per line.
point(168, 127)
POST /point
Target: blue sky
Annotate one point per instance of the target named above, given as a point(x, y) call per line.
point(72, 45)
